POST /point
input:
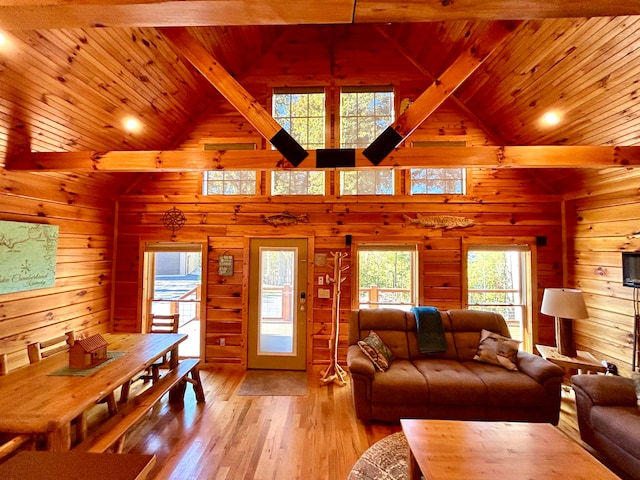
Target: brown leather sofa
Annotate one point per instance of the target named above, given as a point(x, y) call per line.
point(609, 420)
point(448, 385)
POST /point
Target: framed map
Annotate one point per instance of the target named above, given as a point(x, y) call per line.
point(27, 256)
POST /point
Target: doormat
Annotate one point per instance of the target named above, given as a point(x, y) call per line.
point(274, 383)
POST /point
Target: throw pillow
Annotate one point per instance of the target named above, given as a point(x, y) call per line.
point(497, 350)
point(377, 351)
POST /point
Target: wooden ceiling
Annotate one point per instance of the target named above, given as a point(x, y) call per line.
point(70, 72)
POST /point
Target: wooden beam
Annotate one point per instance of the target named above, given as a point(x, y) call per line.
point(235, 94)
point(478, 157)
point(48, 14)
point(374, 11)
point(441, 89)
point(496, 139)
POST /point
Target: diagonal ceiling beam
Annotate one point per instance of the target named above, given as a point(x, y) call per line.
point(432, 157)
point(431, 77)
point(47, 14)
point(441, 89)
point(235, 94)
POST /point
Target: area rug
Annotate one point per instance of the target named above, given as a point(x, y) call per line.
point(387, 459)
point(274, 383)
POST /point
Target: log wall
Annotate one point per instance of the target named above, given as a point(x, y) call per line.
point(495, 201)
point(603, 220)
point(83, 208)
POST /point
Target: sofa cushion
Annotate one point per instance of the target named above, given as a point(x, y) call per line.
point(374, 348)
point(451, 383)
point(401, 384)
point(497, 350)
point(619, 424)
point(507, 388)
point(466, 326)
point(390, 324)
point(412, 339)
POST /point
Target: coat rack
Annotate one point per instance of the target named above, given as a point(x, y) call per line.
point(334, 372)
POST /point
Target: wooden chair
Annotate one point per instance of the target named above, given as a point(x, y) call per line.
point(10, 443)
point(161, 324)
point(39, 350)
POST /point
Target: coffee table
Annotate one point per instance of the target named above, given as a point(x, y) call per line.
point(460, 450)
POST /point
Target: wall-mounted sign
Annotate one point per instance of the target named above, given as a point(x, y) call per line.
point(225, 265)
point(27, 256)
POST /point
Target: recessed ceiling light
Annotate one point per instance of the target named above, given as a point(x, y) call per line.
point(3, 39)
point(551, 118)
point(131, 124)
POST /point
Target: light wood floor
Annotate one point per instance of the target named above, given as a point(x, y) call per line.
point(242, 437)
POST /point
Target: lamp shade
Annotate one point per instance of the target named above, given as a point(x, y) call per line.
point(563, 303)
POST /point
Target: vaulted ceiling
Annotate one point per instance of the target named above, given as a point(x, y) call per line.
point(70, 72)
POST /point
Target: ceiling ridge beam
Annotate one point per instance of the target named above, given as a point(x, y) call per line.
point(441, 89)
point(235, 93)
point(548, 156)
point(51, 14)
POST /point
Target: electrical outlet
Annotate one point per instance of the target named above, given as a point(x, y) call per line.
point(223, 342)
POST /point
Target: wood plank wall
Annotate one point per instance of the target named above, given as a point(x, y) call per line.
point(603, 220)
point(83, 208)
point(496, 202)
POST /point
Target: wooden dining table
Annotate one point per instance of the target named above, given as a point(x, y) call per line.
point(38, 399)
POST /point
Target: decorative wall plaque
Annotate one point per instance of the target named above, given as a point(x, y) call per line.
point(173, 219)
point(225, 265)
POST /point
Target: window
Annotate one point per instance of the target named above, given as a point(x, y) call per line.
point(366, 182)
point(365, 112)
point(301, 112)
point(387, 276)
point(497, 282)
point(431, 181)
point(229, 182)
point(297, 182)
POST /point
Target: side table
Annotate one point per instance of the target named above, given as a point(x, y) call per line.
point(584, 362)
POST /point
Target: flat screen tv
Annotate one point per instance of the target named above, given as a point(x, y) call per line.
point(631, 269)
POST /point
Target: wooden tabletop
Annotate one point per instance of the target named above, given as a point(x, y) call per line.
point(458, 450)
point(32, 400)
point(32, 465)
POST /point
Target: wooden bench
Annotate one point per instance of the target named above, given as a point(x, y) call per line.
point(113, 431)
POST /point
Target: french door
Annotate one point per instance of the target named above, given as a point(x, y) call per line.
point(277, 304)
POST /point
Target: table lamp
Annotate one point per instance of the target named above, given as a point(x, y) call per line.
point(565, 304)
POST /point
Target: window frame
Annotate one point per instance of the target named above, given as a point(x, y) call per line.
point(301, 91)
point(527, 246)
point(415, 248)
point(362, 89)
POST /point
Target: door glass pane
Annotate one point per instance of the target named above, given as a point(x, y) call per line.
point(176, 289)
point(277, 325)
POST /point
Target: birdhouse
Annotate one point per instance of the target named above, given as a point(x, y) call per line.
point(88, 352)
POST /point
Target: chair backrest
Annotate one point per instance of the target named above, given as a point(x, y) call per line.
point(164, 323)
point(39, 350)
point(4, 364)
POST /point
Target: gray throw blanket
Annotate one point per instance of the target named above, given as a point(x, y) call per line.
point(431, 337)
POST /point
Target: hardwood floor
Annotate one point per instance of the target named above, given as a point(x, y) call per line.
point(243, 437)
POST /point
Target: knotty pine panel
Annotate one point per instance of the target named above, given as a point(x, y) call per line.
point(330, 220)
point(80, 300)
point(599, 227)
